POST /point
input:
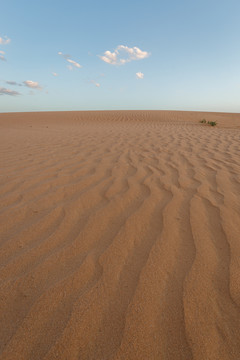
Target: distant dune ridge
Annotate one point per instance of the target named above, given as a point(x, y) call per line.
point(120, 236)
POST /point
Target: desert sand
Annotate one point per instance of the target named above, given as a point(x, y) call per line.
point(120, 236)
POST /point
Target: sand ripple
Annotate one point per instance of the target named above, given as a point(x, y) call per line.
point(119, 236)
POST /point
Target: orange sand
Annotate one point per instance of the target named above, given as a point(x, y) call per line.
point(120, 236)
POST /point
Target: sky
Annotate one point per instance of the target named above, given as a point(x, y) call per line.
point(106, 55)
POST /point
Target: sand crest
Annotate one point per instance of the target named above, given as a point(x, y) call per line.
point(120, 236)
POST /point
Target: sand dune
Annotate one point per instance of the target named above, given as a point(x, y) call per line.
point(120, 236)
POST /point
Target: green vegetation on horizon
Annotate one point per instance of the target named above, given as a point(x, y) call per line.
point(211, 123)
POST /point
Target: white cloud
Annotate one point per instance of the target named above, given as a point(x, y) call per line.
point(110, 58)
point(123, 54)
point(32, 84)
point(54, 74)
point(4, 91)
point(72, 62)
point(139, 75)
point(5, 40)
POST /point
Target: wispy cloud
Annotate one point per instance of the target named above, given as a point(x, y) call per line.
point(123, 54)
point(5, 40)
point(4, 91)
point(2, 57)
point(95, 83)
point(32, 84)
point(13, 83)
point(72, 62)
point(65, 56)
point(139, 75)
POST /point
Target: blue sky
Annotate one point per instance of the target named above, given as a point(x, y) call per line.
point(177, 55)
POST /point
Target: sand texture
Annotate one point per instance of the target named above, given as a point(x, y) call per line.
point(120, 236)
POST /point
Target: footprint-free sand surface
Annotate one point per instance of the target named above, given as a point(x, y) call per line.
point(120, 236)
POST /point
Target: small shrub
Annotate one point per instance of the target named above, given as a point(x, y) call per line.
point(212, 123)
point(203, 121)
